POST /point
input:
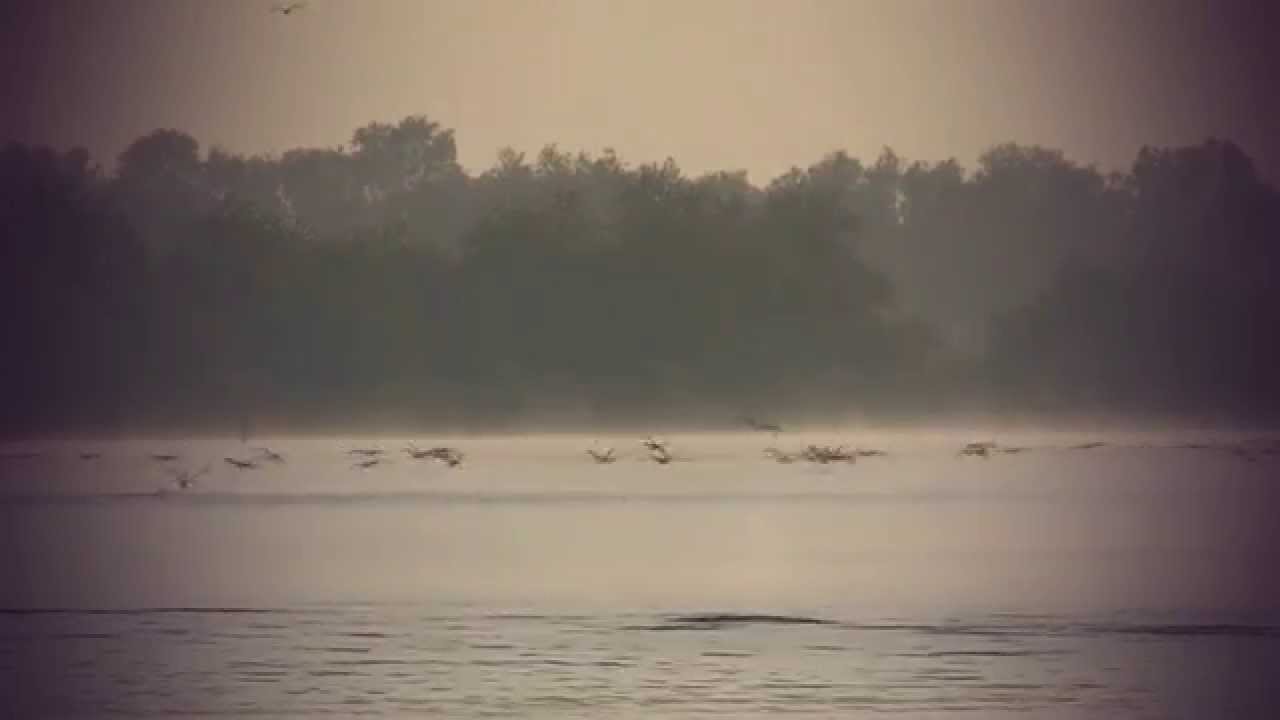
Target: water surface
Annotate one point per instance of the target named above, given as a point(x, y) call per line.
point(1131, 580)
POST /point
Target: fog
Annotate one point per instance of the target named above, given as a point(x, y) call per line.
point(505, 217)
point(385, 287)
point(334, 331)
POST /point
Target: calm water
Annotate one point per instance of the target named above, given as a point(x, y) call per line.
point(1133, 580)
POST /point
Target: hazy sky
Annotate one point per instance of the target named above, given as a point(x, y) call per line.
point(716, 84)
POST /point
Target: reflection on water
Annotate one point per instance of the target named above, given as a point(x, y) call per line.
point(530, 581)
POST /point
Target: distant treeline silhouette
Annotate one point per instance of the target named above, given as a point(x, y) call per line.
point(382, 281)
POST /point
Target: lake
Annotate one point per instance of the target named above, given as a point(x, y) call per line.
point(1130, 580)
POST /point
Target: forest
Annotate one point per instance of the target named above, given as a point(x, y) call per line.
point(379, 284)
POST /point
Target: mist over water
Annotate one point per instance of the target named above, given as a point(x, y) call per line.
point(1064, 582)
point(292, 429)
point(383, 286)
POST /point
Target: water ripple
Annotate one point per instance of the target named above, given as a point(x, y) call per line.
point(389, 661)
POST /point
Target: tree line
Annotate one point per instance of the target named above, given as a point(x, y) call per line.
point(380, 283)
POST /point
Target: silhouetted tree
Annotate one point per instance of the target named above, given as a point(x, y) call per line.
point(383, 282)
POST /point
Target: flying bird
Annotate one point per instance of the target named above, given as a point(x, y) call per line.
point(658, 450)
point(779, 456)
point(978, 449)
point(366, 464)
point(660, 455)
point(163, 457)
point(655, 445)
point(604, 457)
point(241, 464)
point(269, 454)
point(824, 454)
point(449, 456)
point(444, 454)
point(417, 454)
point(185, 479)
point(288, 8)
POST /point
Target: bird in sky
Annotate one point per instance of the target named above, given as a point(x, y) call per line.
point(654, 444)
point(288, 8)
point(185, 479)
point(604, 457)
point(269, 454)
point(978, 449)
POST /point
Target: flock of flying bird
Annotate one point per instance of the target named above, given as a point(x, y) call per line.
point(658, 451)
point(185, 479)
point(365, 458)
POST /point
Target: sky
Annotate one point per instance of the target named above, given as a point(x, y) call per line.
point(749, 85)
